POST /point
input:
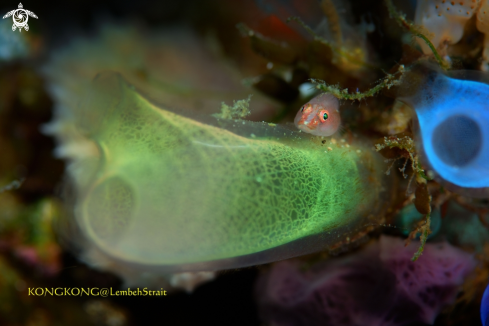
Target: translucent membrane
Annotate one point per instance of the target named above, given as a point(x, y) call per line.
point(156, 189)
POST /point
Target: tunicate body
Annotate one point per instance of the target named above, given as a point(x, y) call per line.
point(158, 190)
point(452, 126)
point(444, 21)
point(485, 307)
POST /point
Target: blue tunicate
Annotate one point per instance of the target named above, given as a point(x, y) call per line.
point(453, 121)
point(485, 307)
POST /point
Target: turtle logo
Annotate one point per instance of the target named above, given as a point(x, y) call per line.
point(20, 17)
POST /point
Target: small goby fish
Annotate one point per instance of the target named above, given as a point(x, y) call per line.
point(320, 116)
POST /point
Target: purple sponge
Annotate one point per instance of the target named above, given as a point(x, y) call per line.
point(378, 285)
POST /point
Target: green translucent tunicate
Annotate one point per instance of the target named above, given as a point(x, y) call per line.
point(178, 192)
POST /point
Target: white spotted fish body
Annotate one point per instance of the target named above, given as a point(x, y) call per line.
point(320, 116)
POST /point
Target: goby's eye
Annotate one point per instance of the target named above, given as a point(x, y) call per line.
point(323, 115)
point(302, 108)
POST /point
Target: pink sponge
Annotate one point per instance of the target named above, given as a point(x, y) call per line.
point(376, 286)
